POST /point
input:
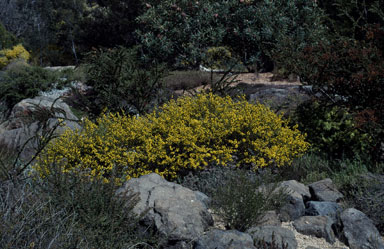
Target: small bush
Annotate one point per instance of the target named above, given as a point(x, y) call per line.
point(182, 136)
point(23, 81)
point(18, 52)
point(121, 81)
point(307, 169)
point(242, 200)
point(332, 130)
point(218, 58)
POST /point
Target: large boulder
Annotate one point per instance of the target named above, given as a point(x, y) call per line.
point(178, 213)
point(219, 239)
point(325, 190)
point(30, 118)
point(359, 231)
point(298, 193)
point(319, 226)
point(323, 208)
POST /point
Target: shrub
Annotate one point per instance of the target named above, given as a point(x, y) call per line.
point(23, 81)
point(307, 169)
point(333, 130)
point(121, 81)
point(349, 69)
point(180, 137)
point(242, 200)
point(18, 52)
point(349, 73)
point(218, 58)
point(65, 211)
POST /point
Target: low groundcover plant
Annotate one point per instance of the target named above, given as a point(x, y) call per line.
point(181, 136)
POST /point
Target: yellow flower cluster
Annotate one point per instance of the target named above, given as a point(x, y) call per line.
point(181, 136)
point(17, 52)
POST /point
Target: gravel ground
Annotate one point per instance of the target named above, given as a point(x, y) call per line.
point(303, 241)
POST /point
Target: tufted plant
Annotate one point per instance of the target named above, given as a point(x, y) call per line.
point(182, 136)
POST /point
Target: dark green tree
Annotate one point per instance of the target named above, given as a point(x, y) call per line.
point(179, 32)
point(348, 18)
point(7, 39)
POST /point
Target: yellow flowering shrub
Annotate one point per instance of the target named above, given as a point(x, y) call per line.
point(218, 57)
point(181, 136)
point(17, 52)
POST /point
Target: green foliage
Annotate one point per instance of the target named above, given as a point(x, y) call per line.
point(242, 200)
point(349, 72)
point(111, 23)
point(7, 39)
point(307, 169)
point(22, 81)
point(182, 136)
point(121, 81)
point(258, 29)
point(218, 58)
point(332, 130)
point(180, 32)
point(348, 18)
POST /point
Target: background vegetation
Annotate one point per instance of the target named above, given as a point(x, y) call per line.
point(135, 55)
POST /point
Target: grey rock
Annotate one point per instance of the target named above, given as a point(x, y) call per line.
point(26, 105)
point(323, 208)
point(296, 189)
point(359, 231)
point(319, 226)
point(176, 212)
point(297, 193)
point(270, 218)
point(325, 190)
point(279, 234)
point(311, 247)
point(219, 239)
point(22, 124)
point(276, 92)
point(294, 209)
point(203, 198)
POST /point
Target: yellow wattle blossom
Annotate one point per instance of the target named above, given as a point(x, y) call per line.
point(183, 135)
point(17, 52)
